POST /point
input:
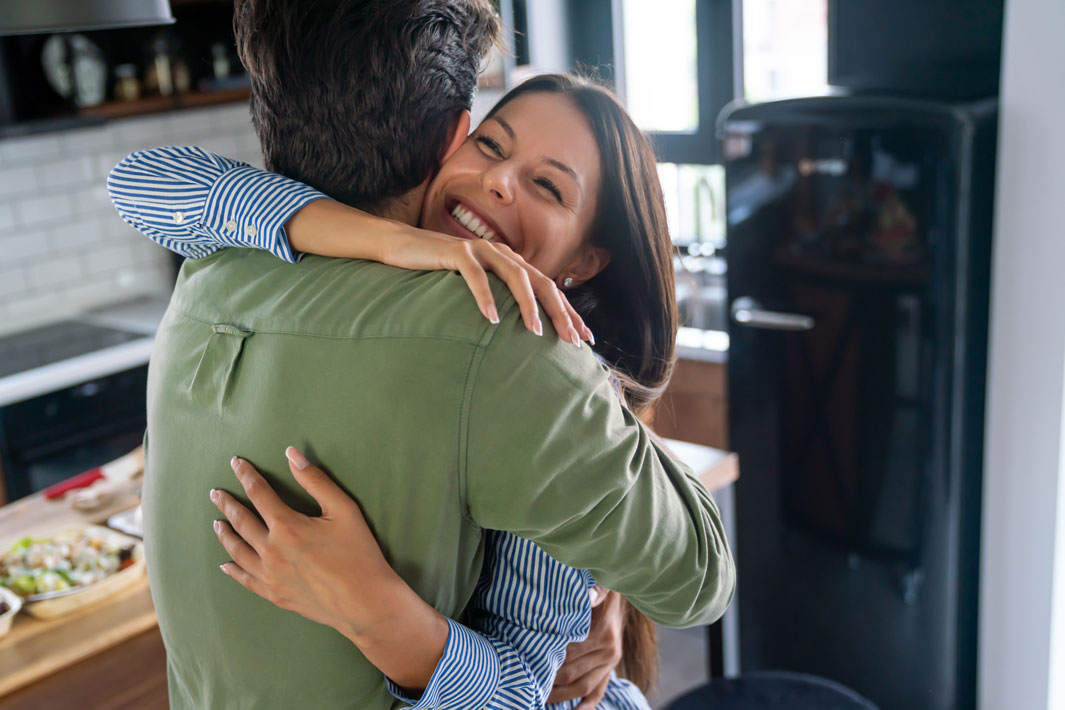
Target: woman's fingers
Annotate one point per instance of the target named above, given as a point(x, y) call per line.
point(592, 699)
point(477, 280)
point(578, 322)
point(249, 582)
point(240, 551)
point(331, 498)
point(581, 687)
point(243, 520)
point(555, 305)
point(601, 660)
point(517, 280)
point(266, 501)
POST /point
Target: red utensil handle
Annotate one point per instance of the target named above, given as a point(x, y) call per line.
point(80, 481)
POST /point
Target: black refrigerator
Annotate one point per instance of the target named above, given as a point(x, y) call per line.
point(859, 242)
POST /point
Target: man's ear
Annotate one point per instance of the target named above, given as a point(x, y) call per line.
point(460, 129)
point(589, 262)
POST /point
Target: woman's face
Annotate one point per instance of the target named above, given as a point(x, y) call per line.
point(528, 177)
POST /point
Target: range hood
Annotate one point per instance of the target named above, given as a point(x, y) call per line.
point(47, 16)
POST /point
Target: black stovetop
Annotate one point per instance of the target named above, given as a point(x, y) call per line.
point(35, 348)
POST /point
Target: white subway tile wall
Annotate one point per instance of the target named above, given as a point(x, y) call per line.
point(63, 248)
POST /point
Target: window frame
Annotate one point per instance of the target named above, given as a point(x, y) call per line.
point(719, 76)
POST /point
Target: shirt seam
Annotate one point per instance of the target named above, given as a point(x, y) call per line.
point(464, 413)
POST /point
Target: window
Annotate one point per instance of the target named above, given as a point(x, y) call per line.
point(661, 79)
point(785, 48)
point(674, 69)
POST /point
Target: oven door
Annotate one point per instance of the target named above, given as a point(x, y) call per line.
point(52, 437)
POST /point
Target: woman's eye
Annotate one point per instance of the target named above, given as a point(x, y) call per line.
point(550, 187)
point(490, 145)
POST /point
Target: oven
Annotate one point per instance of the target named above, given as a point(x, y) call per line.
point(66, 427)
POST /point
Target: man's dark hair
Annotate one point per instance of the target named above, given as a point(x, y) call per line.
point(357, 97)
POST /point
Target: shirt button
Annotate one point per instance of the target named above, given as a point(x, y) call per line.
point(251, 230)
point(231, 226)
point(178, 217)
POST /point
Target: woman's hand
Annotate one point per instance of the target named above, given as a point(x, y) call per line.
point(328, 569)
point(421, 249)
point(589, 663)
point(330, 228)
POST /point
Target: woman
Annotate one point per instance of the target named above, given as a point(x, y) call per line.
point(598, 232)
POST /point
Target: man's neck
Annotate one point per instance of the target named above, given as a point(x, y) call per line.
point(406, 208)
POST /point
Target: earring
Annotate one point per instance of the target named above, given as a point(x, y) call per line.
point(567, 282)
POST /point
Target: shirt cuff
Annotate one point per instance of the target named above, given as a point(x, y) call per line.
point(466, 676)
point(248, 207)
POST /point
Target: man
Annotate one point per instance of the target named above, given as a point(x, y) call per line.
point(388, 377)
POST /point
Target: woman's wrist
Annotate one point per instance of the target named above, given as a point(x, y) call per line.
point(330, 228)
point(406, 637)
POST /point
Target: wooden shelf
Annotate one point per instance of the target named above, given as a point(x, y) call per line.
point(160, 104)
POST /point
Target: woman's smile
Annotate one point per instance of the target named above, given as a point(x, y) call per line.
point(527, 177)
point(470, 222)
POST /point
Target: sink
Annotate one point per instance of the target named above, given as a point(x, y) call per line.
point(702, 301)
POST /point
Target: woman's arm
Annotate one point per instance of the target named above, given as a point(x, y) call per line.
point(195, 202)
point(506, 661)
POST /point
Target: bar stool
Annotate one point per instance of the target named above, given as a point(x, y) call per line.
point(771, 690)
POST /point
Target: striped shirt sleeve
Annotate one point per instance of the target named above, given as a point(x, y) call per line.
point(526, 609)
point(194, 202)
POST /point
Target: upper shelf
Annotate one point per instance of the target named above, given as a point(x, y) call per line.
point(158, 104)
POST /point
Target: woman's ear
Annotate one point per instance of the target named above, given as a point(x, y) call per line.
point(589, 262)
point(460, 129)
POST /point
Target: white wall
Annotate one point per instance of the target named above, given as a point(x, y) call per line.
point(1022, 632)
point(63, 247)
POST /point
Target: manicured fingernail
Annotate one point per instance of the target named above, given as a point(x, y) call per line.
point(493, 315)
point(573, 337)
point(223, 568)
point(217, 525)
point(538, 327)
point(234, 462)
point(298, 460)
point(214, 495)
point(591, 336)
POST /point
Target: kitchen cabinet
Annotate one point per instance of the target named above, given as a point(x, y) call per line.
point(694, 406)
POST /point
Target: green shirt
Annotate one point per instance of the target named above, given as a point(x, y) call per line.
point(439, 423)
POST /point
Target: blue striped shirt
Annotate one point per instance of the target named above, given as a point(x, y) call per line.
point(527, 607)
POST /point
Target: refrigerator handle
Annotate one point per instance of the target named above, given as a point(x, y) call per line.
point(749, 312)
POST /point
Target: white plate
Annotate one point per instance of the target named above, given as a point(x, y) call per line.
point(52, 604)
point(128, 521)
point(14, 602)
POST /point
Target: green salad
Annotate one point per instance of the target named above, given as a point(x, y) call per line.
point(64, 561)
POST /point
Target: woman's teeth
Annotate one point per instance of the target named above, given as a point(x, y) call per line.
point(467, 220)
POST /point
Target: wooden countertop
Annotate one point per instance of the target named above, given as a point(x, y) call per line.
point(35, 649)
point(714, 467)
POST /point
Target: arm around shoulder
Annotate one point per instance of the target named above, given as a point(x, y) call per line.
point(553, 456)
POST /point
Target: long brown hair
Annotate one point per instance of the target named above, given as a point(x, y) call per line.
point(631, 304)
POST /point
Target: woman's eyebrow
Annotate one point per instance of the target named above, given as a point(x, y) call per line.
point(550, 161)
point(506, 126)
point(563, 167)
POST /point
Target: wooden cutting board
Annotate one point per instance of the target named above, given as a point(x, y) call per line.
point(35, 649)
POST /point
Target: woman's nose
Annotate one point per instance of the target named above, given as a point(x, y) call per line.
point(499, 183)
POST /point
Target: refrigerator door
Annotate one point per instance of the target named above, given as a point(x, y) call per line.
point(842, 267)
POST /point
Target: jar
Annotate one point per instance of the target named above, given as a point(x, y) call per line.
point(127, 87)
